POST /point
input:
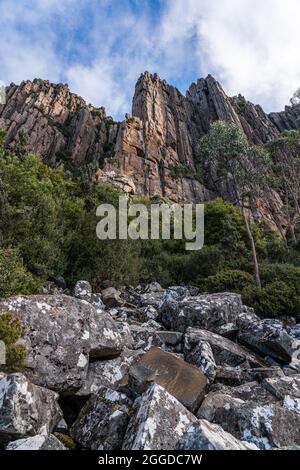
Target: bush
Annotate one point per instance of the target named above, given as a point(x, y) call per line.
point(11, 330)
point(14, 278)
point(275, 300)
point(227, 281)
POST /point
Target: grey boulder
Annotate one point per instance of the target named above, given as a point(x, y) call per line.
point(26, 409)
point(38, 442)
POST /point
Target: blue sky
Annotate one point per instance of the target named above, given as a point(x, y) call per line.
point(100, 47)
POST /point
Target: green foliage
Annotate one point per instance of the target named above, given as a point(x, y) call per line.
point(14, 278)
point(11, 330)
point(275, 300)
point(227, 281)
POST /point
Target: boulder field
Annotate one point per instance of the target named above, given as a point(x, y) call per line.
point(149, 368)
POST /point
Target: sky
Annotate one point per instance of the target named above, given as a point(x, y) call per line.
point(100, 47)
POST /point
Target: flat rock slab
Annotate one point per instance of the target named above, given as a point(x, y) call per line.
point(26, 409)
point(250, 391)
point(182, 380)
point(38, 442)
point(207, 436)
point(159, 421)
point(282, 386)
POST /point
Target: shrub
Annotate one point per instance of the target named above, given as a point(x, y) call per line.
point(227, 281)
point(11, 330)
point(275, 300)
point(14, 278)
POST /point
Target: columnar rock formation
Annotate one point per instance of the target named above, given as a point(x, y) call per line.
point(153, 151)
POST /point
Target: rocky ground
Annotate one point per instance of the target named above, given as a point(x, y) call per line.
point(150, 369)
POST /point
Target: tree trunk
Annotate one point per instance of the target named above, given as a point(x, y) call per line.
point(253, 248)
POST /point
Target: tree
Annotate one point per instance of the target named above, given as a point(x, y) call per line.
point(226, 154)
point(285, 152)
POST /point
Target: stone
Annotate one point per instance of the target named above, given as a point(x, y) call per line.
point(26, 409)
point(105, 338)
point(224, 350)
point(83, 290)
point(103, 420)
point(111, 373)
point(158, 422)
point(215, 401)
point(111, 297)
point(182, 380)
point(286, 389)
point(61, 333)
point(269, 338)
point(145, 336)
point(249, 391)
point(267, 426)
point(125, 333)
point(38, 442)
point(207, 436)
point(205, 311)
point(170, 338)
point(202, 356)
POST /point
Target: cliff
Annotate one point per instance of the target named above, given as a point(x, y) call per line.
point(152, 152)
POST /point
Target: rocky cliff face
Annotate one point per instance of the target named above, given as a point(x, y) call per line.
point(152, 152)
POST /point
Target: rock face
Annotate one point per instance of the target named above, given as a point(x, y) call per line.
point(26, 409)
point(180, 379)
point(153, 151)
point(61, 332)
point(158, 423)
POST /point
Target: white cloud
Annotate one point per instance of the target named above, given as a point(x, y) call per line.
point(251, 45)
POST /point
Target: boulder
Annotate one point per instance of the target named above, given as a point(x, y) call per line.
point(207, 436)
point(111, 373)
point(249, 391)
point(267, 426)
point(269, 338)
point(224, 350)
point(209, 312)
point(102, 422)
point(105, 338)
point(61, 333)
point(83, 290)
point(158, 422)
point(145, 336)
point(235, 376)
point(286, 389)
point(111, 297)
point(26, 409)
point(202, 357)
point(215, 401)
point(182, 380)
point(38, 442)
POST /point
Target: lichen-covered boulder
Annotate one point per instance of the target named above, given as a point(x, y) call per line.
point(102, 422)
point(265, 425)
point(204, 311)
point(207, 436)
point(213, 402)
point(159, 421)
point(269, 338)
point(286, 389)
point(111, 373)
point(61, 333)
point(224, 350)
point(38, 442)
point(249, 391)
point(202, 356)
point(182, 380)
point(26, 409)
